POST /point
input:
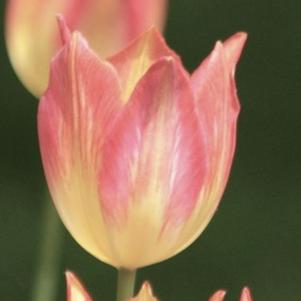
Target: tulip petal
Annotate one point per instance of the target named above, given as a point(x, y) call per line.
point(135, 60)
point(73, 118)
point(218, 296)
point(218, 107)
point(75, 290)
point(157, 160)
point(65, 31)
point(145, 293)
point(233, 48)
point(246, 295)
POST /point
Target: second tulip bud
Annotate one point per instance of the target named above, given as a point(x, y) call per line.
point(32, 37)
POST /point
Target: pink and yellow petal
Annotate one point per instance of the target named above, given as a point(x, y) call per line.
point(75, 290)
point(145, 294)
point(133, 62)
point(73, 118)
point(158, 161)
point(218, 109)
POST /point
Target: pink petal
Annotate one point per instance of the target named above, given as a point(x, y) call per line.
point(145, 293)
point(132, 62)
point(218, 296)
point(65, 31)
point(75, 290)
point(233, 48)
point(74, 115)
point(218, 105)
point(156, 149)
point(76, 109)
point(246, 295)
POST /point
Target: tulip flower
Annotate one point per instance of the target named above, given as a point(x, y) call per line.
point(136, 151)
point(32, 39)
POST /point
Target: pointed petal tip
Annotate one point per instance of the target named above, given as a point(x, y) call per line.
point(241, 36)
point(246, 294)
point(233, 47)
point(145, 293)
point(218, 296)
point(72, 279)
point(69, 275)
point(65, 32)
point(75, 289)
point(147, 286)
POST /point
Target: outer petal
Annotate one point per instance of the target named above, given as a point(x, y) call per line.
point(145, 293)
point(32, 36)
point(132, 62)
point(156, 167)
point(81, 101)
point(75, 290)
point(218, 296)
point(218, 107)
point(246, 295)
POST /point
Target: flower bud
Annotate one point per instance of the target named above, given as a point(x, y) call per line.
point(136, 151)
point(32, 36)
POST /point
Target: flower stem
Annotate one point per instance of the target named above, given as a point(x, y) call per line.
point(125, 284)
point(46, 277)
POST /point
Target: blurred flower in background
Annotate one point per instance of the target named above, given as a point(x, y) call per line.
point(32, 36)
point(136, 151)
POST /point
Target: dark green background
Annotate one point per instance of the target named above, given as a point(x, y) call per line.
point(254, 238)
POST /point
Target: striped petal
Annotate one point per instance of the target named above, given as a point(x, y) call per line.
point(156, 167)
point(132, 63)
point(73, 118)
point(75, 290)
point(218, 107)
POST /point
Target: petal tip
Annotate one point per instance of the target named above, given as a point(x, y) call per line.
point(246, 294)
point(218, 296)
point(75, 290)
point(233, 47)
point(65, 32)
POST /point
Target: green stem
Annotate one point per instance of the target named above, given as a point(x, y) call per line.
point(45, 285)
point(125, 284)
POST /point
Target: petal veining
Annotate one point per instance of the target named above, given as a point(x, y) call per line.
point(157, 160)
point(73, 118)
point(135, 60)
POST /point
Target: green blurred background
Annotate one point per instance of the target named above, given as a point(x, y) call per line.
point(254, 238)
